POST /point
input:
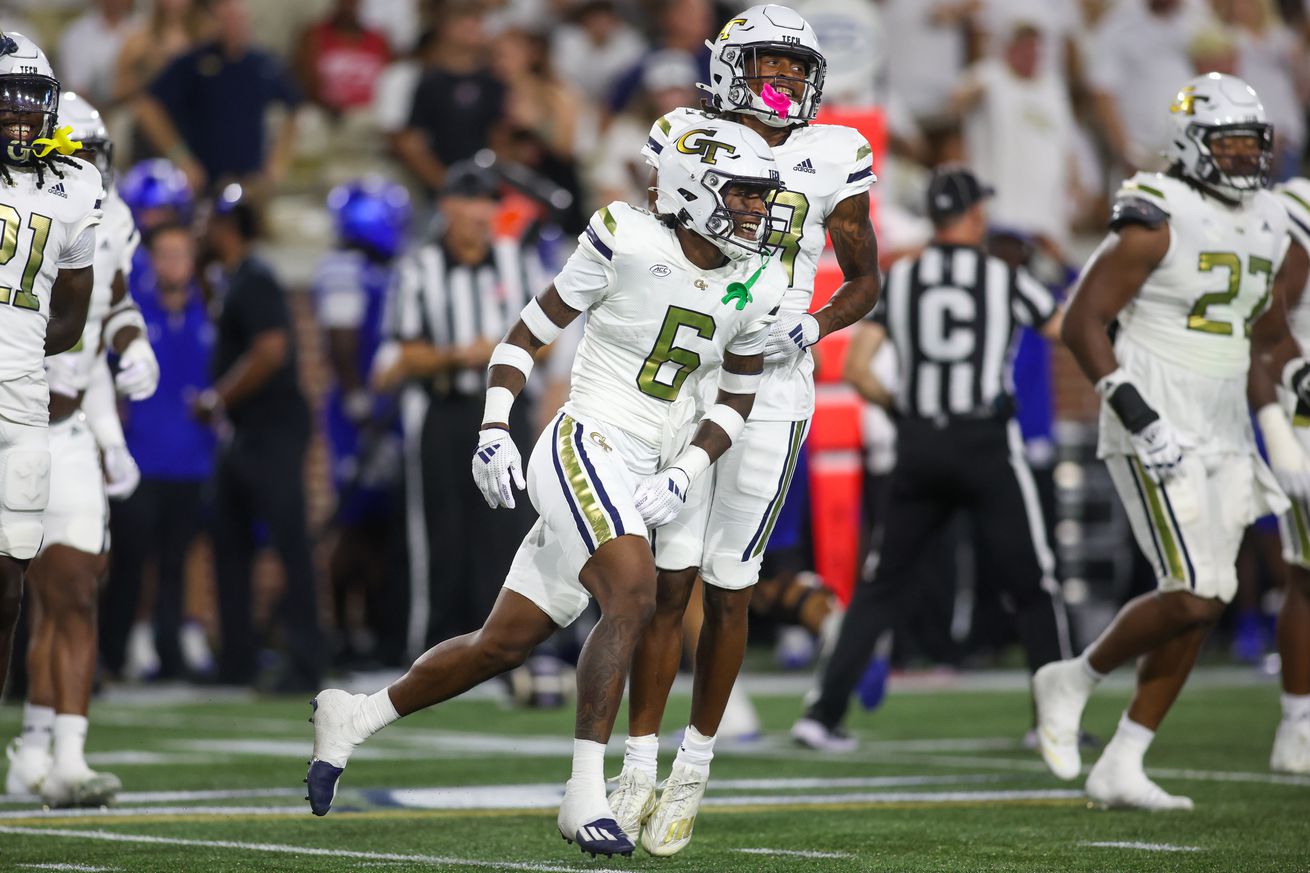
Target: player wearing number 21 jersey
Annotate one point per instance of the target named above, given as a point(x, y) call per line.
point(675, 301)
point(767, 72)
point(49, 207)
point(1191, 266)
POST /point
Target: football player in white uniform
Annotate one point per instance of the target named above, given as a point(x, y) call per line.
point(673, 300)
point(49, 206)
point(766, 72)
point(1187, 270)
point(48, 757)
point(1285, 424)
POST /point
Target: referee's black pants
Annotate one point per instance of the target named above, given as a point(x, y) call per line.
point(977, 466)
point(470, 545)
point(260, 476)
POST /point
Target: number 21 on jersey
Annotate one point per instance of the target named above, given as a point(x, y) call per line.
point(40, 227)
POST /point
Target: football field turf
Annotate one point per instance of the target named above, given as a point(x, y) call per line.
point(941, 783)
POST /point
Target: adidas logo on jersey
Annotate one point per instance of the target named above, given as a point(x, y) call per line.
point(805, 166)
point(58, 190)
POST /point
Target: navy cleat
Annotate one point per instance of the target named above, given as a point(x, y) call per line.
point(322, 781)
point(601, 837)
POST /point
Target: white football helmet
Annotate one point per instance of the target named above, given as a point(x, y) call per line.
point(734, 53)
point(88, 128)
point(1210, 108)
point(28, 88)
point(697, 167)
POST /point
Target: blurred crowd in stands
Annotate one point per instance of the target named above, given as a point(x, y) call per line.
point(420, 167)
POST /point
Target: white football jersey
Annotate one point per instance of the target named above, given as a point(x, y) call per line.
point(657, 325)
point(1298, 210)
point(41, 226)
point(116, 241)
point(820, 165)
point(1185, 337)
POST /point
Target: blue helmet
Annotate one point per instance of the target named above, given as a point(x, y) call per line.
point(372, 213)
point(155, 184)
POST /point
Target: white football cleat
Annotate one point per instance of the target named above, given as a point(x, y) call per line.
point(27, 768)
point(1291, 753)
point(818, 736)
point(585, 818)
point(669, 829)
point(633, 801)
point(1060, 697)
point(1119, 784)
point(79, 786)
point(335, 738)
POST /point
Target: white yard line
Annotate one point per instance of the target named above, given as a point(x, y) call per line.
point(282, 849)
point(79, 868)
point(795, 853)
point(1145, 847)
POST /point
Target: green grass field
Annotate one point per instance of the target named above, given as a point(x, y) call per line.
point(941, 783)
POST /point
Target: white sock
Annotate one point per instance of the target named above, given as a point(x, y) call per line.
point(589, 765)
point(1296, 707)
point(38, 723)
point(696, 751)
point(70, 741)
point(1089, 672)
point(1130, 740)
point(642, 753)
point(376, 713)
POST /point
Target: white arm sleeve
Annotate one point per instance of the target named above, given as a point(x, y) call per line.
point(100, 404)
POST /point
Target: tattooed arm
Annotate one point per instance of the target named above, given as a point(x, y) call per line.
point(857, 253)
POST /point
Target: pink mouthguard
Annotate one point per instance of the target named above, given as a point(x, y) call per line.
point(776, 100)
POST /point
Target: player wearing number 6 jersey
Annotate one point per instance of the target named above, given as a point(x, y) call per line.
point(673, 301)
point(1191, 264)
point(49, 207)
point(766, 72)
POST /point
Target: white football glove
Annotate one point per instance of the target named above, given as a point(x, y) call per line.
point(660, 498)
point(497, 467)
point(138, 370)
point(1156, 446)
point(1286, 456)
point(122, 475)
point(791, 335)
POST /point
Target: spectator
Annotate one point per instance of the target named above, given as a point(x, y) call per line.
point(1138, 61)
point(88, 50)
point(397, 20)
point(393, 95)
point(206, 111)
point(339, 59)
point(259, 475)
point(173, 28)
point(1019, 133)
point(685, 25)
point(454, 299)
point(458, 103)
point(927, 50)
point(595, 49)
point(175, 453)
point(618, 171)
point(350, 286)
point(1272, 60)
point(1059, 23)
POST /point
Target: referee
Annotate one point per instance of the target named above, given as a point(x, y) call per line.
point(952, 315)
point(453, 299)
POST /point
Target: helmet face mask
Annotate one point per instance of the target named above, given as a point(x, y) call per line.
point(29, 98)
point(740, 54)
point(1240, 156)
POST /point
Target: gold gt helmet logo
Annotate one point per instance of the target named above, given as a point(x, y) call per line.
point(1185, 102)
point(698, 142)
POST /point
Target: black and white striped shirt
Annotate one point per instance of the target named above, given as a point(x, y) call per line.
point(435, 299)
point(952, 314)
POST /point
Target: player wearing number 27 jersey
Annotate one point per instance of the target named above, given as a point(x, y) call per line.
point(1192, 263)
